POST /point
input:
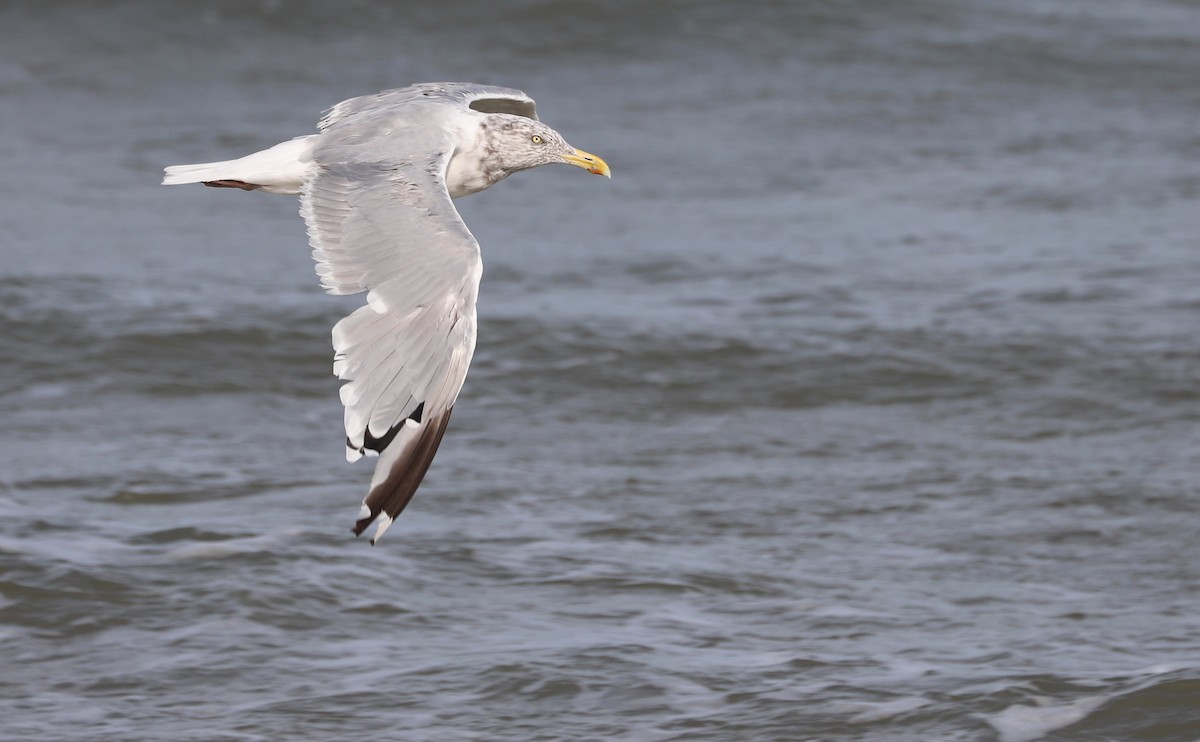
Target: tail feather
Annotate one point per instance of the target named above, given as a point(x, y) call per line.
point(281, 169)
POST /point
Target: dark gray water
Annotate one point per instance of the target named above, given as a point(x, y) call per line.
point(862, 404)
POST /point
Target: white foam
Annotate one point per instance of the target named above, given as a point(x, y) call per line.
point(1025, 723)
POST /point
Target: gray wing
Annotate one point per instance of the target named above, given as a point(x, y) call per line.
point(482, 98)
point(384, 223)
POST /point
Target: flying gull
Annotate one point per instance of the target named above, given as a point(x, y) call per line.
point(375, 189)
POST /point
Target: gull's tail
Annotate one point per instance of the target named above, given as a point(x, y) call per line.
point(281, 169)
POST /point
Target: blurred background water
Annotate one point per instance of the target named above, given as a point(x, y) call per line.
point(862, 404)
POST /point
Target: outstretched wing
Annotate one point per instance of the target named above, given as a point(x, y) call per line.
point(384, 224)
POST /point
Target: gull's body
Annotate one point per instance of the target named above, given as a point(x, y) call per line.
point(375, 189)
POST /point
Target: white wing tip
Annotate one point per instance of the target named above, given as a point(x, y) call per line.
point(382, 522)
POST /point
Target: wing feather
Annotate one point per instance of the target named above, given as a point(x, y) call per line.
point(387, 226)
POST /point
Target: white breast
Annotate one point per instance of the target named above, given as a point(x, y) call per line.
point(467, 172)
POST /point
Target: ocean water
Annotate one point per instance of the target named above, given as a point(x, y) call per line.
point(863, 403)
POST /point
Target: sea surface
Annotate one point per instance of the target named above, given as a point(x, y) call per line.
point(863, 403)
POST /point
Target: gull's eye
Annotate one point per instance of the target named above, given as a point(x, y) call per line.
point(535, 139)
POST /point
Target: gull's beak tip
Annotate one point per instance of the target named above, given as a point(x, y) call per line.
point(586, 160)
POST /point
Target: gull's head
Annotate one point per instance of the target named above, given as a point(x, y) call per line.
point(521, 143)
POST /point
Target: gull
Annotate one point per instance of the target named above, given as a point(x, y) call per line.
point(375, 187)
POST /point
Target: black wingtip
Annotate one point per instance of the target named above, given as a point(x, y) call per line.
point(391, 496)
